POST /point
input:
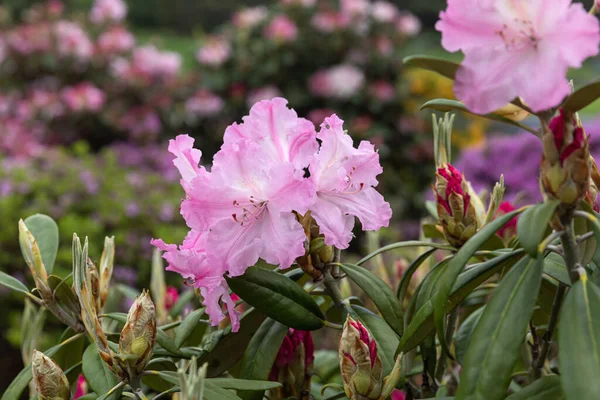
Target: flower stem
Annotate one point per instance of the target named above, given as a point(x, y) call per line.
point(571, 250)
point(333, 289)
point(541, 360)
point(441, 365)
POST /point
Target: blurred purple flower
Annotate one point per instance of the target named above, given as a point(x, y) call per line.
point(132, 209)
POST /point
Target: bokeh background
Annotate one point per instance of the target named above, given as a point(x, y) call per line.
point(90, 91)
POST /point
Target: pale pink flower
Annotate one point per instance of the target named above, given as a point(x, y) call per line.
point(72, 41)
point(344, 178)
point(116, 40)
point(339, 82)
point(151, 62)
point(382, 91)
point(30, 38)
point(516, 48)
point(215, 52)
point(248, 18)
point(83, 97)
point(408, 24)
point(105, 11)
point(355, 8)
point(281, 29)
point(204, 103)
point(383, 11)
point(264, 93)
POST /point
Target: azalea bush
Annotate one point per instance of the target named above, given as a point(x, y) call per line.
point(509, 304)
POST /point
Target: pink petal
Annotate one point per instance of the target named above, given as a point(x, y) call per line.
point(187, 158)
point(213, 306)
point(289, 190)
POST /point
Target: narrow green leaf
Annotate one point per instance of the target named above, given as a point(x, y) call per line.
point(157, 382)
point(278, 297)
point(96, 372)
point(496, 341)
point(554, 266)
point(214, 392)
point(533, 224)
point(12, 283)
point(588, 247)
point(243, 384)
point(400, 245)
point(166, 342)
point(384, 336)
point(187, 326)
point(182, 301)
point(464, 334)
point(120, 317)
point(89, 396)
point(443, 67)
point(408, 274)
point(457, 264)
point(546, 388)
point(45, 231)
point(447, 105)
point(379, 292)
point(579, 341)
point(582, 97)
point(261, 353)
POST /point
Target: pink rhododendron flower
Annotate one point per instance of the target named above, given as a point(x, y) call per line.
point(81, 388)
point(408, 24)
point(330, 21)
point(249, 17)
point(355, 8)
point(150, 61)
point(171, 297)
point(383, 11)
point(344, 178)
point(264, 93)
point(30, 38)
point(516, 48)
point(116, 40)
point(281, 29)
point(105, 11)
point(71, 40)
point(214, 52)
point(204, 103)
point(340, 82)
point(83, 96)
point(398, 395)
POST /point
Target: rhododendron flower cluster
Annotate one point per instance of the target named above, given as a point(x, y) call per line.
point(516, 49)
point(214, 52)
point(106, 11)
point(341, 81)
point(247, 206)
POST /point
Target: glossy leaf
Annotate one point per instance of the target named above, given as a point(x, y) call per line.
point(96, 372)
point(157, 382)
point(546, 388)
point(261, 353)
point(554, 266)
point(12, 283)
point(533, 224)
point(379, 292)
point(166, 342)
point(243, 384)
point(410, 271)
point(214, 392)
point(443, 67)
point(588, 247)
point(278, 297)
point(45, 231)
point(187, 326)
point(582, 97)
point(384, 336)
point(465, 332)
point(457, 264)
point(497, 338)
point(579, 341)
point(400, 245)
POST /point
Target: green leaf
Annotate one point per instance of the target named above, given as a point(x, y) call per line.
point(89, 396)
point(214, 392)
point(443, 67)
point(166, 342)
point(533, 224)
point(546, 388)
point(158, 382)
point(496, 342)
point(117, 316)
point(67, 301)
point(446, 105)
point(379, 292)
point(579, 341)
point(261, 353)
point(184, 298)
point(464, 334)
point(457, 264)
point(243, 384)
point(12, 283)
point(408, 274)
point(582, 97)
point(588, 247)
point(278, 297)
point(400, 245)
point(554, 266)
point(96, 372)
point(187, 326)
point(45, 231)
point(422, 323)
point(384, 336)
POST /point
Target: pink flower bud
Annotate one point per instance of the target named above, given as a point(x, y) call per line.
point(293, 365)
point(510, 229)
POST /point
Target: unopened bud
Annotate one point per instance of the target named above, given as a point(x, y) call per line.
point(565, 169)
point(361, 367)
point(138, 335)
point(509, 230)
point(50, 380)
point(293, 365)
point(33, 257)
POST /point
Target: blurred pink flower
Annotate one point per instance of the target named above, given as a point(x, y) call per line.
point(141, 123)
point(264, 93)
point(330, 21)
point(383, 11)
point(171, 297)
point(105, 11)
point(30, 38)
point(408, 24)
point(384, 45)
point(3, 50)
point(150, 61)
point(318, 115)
point(303, 3)
point(83, 97)
point(355, 8)
point(249, 17)
point(204, 103)
point(382, 91)
point(516, 49)
point(281, 29)
point(214, 52)
point(72, 41)
point(81, 388)
point(398, 395)
point(116, 39)
point(341, 82)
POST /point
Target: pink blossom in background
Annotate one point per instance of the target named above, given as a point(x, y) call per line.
point(83, 97)
point(318, 115)
point(72, 40)
point(55, 8)
point(151, 62)
point(214, 52)
point(116, 39)
point(30, 38)
point(355, 8)
point(330, 21)
point(516, 49)
point(3, 50)
point(281, 29)
point(398, 395)
point(264, 93)
point(141, 123)
point(408, 24)
point(248, 18)
point(384, 45)
point(303, 3)
point(383, 11)
point(204, 103)
point(82, 387)
point(345, 178)
point(171, 297)
point(340, 82)
point(382, 91)
point(105, 11)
